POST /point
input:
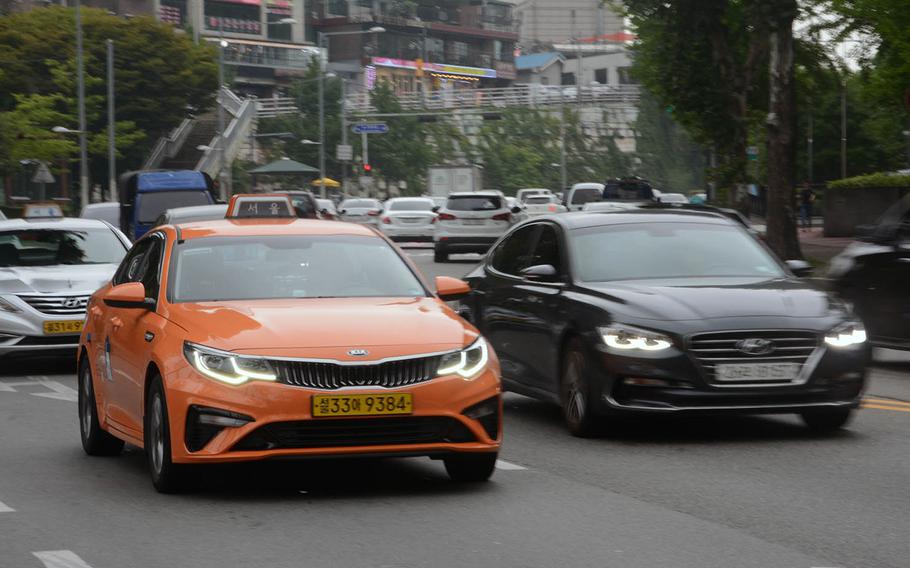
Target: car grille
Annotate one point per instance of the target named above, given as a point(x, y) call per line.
point(57, 305)
point(347, 432)
point(710, 349)
point(330, 376)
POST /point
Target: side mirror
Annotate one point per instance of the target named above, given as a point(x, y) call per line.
point(541, 273)
point(342, 212)
point(800, 268)
point(129, 295)
point(448, 288)
point(516, 210)
point(324, 212)
point(436, 209)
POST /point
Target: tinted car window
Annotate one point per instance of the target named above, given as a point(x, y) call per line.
point(547, 250)
point(150, 267)
point(538, 200)
point(153, 204)
point(360, 204)
point(256, 268)
point(411, 205)
point(130, 268)
point(580, 196)
point(668, 250)
point(474, 203)
point(48, 247)
point(514, 253)
point(628, 191)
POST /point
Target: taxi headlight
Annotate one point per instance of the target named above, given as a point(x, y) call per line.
point(468, 362)
point(846, 334)
point(627, 338)
point(228, 367)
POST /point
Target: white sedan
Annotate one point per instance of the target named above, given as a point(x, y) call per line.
point(408, 219)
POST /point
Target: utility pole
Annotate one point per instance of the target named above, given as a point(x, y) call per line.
point(843, 130)
point(222, 43)
point(811, 144)
point(344, 131)
point(80, 93)
point(320, 42)
point(111, 126)
point(562, 146)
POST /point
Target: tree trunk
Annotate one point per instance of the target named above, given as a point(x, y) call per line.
point(781, 127)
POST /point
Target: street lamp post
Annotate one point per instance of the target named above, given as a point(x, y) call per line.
point(111, 126)
point(222, 186)
point(80, 93)
point(322, 41)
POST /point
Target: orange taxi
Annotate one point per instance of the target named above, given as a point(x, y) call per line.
point(248, 339)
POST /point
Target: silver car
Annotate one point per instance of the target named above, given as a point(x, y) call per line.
point(360, 210)
point(408, 219)
point(192, 213)
point(48, 270)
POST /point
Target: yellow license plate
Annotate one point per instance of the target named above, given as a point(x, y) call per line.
point(69, 326)
point(362, 404)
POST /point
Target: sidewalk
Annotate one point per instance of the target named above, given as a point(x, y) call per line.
point(820, 249)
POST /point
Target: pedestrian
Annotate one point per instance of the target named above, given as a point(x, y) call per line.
point(806, 199)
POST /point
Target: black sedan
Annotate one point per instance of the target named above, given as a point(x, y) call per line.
point(663, 312)
point(874, 274)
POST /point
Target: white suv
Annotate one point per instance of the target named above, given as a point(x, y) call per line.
point(471, 222)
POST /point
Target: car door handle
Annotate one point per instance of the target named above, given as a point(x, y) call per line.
point(116, 323)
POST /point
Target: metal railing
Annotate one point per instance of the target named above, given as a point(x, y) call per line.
point(168, 146)
point(244, 113)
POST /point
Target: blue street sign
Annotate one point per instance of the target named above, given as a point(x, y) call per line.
point(370, 128)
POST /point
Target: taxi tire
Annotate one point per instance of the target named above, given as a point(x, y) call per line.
point(440, 255)
point(95, 441)
point(167, 477)
point(576, 400)
point(471, 468)
point(826, 421)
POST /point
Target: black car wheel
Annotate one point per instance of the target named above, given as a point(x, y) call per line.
point(440, 255)
point(575, 390)
point(471, 468)
point(95, 441)
point(828, 420)
point(167, 477)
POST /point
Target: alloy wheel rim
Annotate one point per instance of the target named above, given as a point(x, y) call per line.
point(86, 406)
point(575, 399)
point(156, 436)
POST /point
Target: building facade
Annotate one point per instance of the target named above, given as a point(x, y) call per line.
point(547, 22)
point(427, 45)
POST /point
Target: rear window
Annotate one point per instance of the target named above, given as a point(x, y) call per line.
point(474, 203)
point(360, 204)
point(416, 205)
point(537, 200)
point(154, 203)
point(586, 195)
point(628, 192)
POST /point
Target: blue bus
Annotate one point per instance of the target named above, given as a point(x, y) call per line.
point(145, 195)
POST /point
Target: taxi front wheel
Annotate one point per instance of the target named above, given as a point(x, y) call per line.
point(471, 468)
point(167, 477)
point(95, 441)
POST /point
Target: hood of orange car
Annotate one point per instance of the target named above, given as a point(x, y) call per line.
point(324, 327)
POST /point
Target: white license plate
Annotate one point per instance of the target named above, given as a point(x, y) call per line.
point(408, 220)
point(473, 222)
point(748, 372)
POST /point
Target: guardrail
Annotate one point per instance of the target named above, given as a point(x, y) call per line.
point(480, 99)
point(168, 146)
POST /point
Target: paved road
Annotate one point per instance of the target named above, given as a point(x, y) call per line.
point(748, 492)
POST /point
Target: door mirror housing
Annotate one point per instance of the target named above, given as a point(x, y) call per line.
point(129, 295)
point(541, 273)
point(436, 209)
point(516, 210)
point(800, 268)
point(448, 288)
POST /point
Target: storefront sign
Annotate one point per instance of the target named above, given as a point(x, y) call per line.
point(479, 72)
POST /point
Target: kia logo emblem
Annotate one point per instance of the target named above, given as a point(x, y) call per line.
point(358, 352)
point(74, 303)
point(755, 346)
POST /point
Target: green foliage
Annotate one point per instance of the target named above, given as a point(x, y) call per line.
point(872, 180)
point(668, 156)
point(158, 74)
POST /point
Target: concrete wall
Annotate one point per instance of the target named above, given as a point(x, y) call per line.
point(847, 208)
point(558, 21)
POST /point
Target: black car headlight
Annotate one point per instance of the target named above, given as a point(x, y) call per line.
point(227, 367)
point(847, 334)
point(627, 339)
point(468, 362)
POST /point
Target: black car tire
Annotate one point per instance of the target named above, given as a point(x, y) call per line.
point(167, 477)
point(830, 420)
point(471, 468)
point(575, 396)
point(440, 255)
point(95, 441)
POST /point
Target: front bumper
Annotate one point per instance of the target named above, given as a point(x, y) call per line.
point(279, 412)
point(464, 244)
point(676, 384)
point(22, 332)
point(422, 233)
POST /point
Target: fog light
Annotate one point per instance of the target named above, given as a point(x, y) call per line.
point(644, 382)
point(203, 424)
point(487, 413)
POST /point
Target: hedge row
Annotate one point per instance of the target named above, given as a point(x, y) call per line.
point(872, 180)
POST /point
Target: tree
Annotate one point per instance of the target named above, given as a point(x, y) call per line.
point(667, 154)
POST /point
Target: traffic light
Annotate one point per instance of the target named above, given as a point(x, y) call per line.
point(367, 168)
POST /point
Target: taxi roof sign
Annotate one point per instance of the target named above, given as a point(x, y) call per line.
point(42, 211)
point(260, 206)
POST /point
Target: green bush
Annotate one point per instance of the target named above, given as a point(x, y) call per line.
point(872, 180)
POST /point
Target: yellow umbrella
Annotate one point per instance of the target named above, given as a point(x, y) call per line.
point(329, 182)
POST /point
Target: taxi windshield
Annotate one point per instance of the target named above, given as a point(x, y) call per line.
point(668, 250)
point(277, 267)
point(50, 247)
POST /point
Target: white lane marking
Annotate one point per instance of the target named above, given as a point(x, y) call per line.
point(4, 508)
point(59, 391)
point(508, 466)
point(6, 387)
point(60, 559)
